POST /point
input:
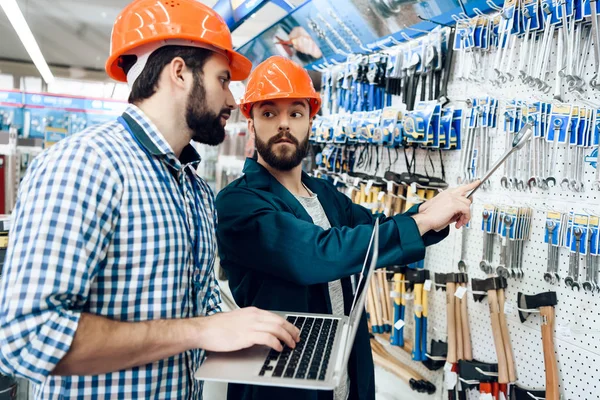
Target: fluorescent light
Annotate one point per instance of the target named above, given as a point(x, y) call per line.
point(15, 16)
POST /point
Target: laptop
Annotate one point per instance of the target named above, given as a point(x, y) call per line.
point(318, 360)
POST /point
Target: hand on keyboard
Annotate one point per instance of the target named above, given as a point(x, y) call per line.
point(243, 328)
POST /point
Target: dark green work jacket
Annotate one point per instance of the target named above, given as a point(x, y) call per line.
point(277, 259)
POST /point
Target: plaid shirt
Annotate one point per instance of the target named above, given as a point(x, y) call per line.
point(104, 224)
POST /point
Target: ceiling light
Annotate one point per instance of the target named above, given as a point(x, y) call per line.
point(15, 16)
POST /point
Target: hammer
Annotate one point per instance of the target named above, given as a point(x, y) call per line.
point(545, 302)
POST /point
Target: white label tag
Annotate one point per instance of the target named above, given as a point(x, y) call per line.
point(408, 296)
point(447, 367)
point(369, 186)
point(395, 295)
point(380, 196)
point(427, 285)
point(399, 324)
point(345, 177)
point(508, 308)
point(451, 379)
point(564, 331)
point(413, 187)
point(390, 187)
point(335, 181)
point(356, 182)
point(486, 396)
point(460, 292)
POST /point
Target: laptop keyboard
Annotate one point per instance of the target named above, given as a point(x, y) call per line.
point(310, 358)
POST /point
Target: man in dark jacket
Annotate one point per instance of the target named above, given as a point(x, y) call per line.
point(290, 242)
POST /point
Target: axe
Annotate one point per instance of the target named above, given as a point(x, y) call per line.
point(466, 332)
point(510, 361)
point(545, 302)
point(492, 285)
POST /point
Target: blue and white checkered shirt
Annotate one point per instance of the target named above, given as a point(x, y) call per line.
point(101, 227)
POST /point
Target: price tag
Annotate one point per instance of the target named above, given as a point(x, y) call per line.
point(380, 196)
point(427, 285)
point(413, 187)
point(369, 186)
point(451, 379)
point(448, 367)
point(399, 324)
point(345, 177)
point(486, 396)
point(390, 187)
point(335, 181)
point(508, 308)
point(356, 182)
point(564, 331)
point(395, 295)
point(460, 292)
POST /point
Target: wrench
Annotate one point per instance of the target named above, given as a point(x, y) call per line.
point(551, 181)
point(549, 276)
point(574, 183)
point(559, 67)
point(578, 234)
point(509, 246)
point(596, 35)
point(597, 182)
point(484, 264)
point(589, 284)
point(564, 184)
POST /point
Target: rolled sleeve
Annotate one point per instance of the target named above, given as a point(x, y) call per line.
point(60, 233)
point(214, 299)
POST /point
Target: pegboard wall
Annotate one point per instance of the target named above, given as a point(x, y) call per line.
point(577, 327)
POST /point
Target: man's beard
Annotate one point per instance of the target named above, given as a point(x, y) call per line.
point(288, 160)
point(205, 125)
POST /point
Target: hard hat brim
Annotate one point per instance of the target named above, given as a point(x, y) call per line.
point(240, 65)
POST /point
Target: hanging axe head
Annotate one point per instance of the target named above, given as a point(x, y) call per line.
point(440, 281)
point(546, 299)
point(520, 393)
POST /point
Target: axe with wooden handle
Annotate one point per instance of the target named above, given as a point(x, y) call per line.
point(545, 302)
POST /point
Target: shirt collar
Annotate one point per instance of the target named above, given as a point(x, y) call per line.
point(155, 143)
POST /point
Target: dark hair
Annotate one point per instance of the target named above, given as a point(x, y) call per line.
point(147, 83)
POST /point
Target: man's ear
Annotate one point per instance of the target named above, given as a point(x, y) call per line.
point(251, 130)
point(175, 71)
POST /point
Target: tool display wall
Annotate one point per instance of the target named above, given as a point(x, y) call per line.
point(577, 327)
point(539, 76)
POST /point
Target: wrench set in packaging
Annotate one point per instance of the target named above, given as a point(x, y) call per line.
point(512, 227)
point(578, 233)
point(562, 131)
point(534, 31)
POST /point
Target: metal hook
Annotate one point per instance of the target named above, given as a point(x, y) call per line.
point(415, 29)
point(482, 372)
point(535, 397)
point(493, 5)
point(434, 22)
point(405, 36)
point(478, 12)
point(462, 6)
point(395, 41)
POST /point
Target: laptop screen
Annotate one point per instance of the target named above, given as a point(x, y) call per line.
point(358, 304)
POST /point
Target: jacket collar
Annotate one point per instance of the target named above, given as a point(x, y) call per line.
point(258, 177)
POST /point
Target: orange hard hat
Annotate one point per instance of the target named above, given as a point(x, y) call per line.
point(146, 25)
point(279, 78)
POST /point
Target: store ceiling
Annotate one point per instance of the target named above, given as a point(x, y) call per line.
point(76, 33)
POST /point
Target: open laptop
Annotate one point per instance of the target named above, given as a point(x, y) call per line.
point(319, 358)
